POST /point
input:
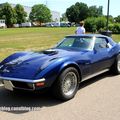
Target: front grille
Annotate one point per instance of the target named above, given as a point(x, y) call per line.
point(22, 85)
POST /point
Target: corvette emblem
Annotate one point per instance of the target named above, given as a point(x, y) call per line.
point(5, 70)
point(1, 66)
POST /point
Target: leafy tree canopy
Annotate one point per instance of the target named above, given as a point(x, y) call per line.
point(117, 19)
point(63, 18)
point(80, 11)
point(8, 13)
point(77, 12)
point(95, 12)
point(40, 13)
point(20, 14)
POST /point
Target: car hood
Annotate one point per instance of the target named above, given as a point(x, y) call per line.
point(26, 64)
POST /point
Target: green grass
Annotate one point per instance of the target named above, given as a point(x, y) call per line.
point(116, 37)
point(19, 39)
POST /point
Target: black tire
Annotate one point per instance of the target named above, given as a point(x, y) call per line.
point(69, 79)
point(116, 66)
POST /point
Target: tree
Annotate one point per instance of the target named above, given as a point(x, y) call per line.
point(100, 23)
point(40, 13)
point(20, 14)
point(71, 14)
point(63, 18)
point(95, 23)
point(100, 11)
point(117, 19)
point(8, 13)
point(95, 12)
point(90, 24)
point(77, 12)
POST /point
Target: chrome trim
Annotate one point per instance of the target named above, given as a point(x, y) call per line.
point(24, 89)
point(69, 83)
point(1, 85)
point(93, 75)
point(22, 80)
point(10, 85)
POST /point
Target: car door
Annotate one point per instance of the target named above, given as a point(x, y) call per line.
point(100, 58)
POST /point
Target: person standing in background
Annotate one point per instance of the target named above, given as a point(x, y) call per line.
point(81, 29)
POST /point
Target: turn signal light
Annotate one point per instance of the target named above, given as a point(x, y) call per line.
point(39, 84)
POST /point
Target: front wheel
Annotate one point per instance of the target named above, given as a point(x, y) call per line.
point(67, 84)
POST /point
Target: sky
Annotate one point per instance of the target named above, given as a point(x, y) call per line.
point(62, 5)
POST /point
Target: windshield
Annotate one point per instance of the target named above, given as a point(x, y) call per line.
point(78, 43)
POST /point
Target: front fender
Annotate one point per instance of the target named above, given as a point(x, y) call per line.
point(69, 64)
point(52, 72)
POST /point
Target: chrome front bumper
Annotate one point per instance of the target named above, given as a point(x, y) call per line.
point(26, 84)
point(22, 80)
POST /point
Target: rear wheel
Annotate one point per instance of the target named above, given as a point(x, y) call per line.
point(67, 84)
point(116, 66)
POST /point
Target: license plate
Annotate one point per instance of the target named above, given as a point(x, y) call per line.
point(8, 85)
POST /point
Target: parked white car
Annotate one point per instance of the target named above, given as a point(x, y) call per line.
point(53, 24)
point(26, 24)
point(2, 23)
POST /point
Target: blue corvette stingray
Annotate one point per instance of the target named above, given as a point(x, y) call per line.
point(75, 59)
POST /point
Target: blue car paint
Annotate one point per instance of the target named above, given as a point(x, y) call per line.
point(37, 65)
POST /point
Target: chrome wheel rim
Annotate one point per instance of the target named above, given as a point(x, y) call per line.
point(69, 83)
point(118, 65)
